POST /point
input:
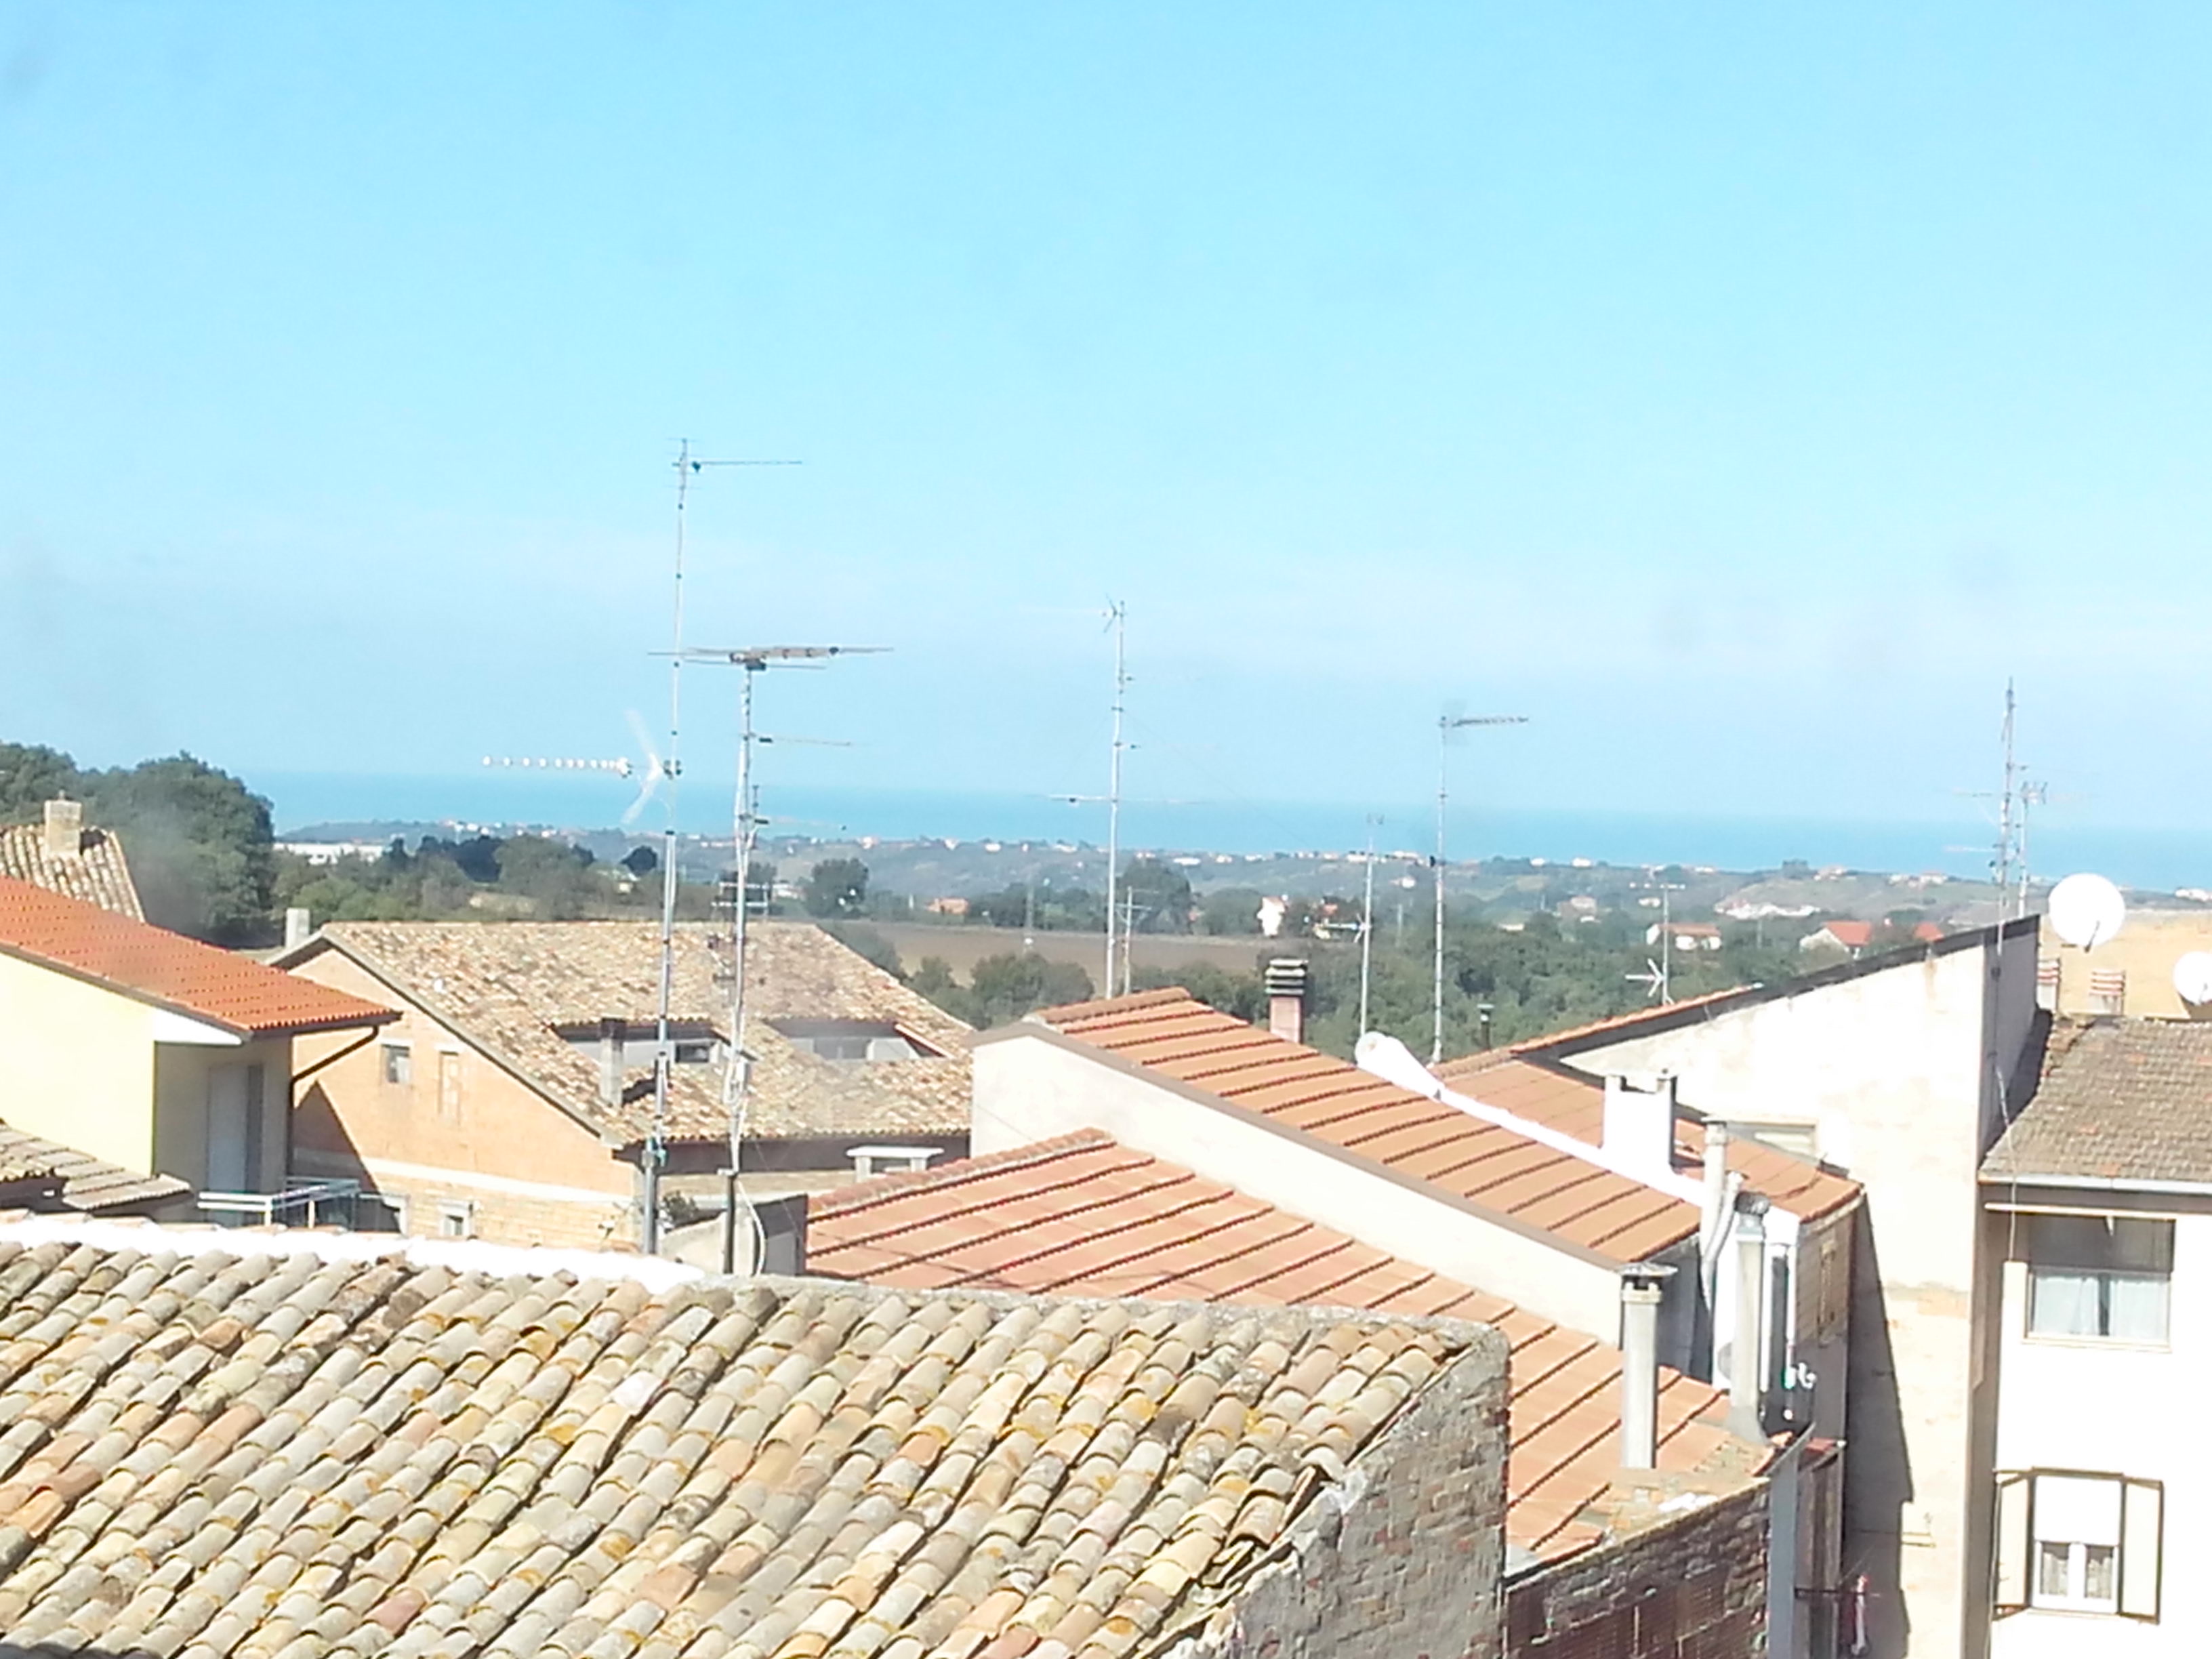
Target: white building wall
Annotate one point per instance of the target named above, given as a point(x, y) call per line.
point(1898, 1073)
point(2113, 1408)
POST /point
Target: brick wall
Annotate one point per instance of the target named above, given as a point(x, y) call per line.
point(1693, 1588)
point(510, 1218)
point(1409, 1562)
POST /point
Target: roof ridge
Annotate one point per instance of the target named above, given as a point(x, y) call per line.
point(860, 1194)
point(1132, 1001)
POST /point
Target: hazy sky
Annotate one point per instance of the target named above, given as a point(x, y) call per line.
point(1743, 396)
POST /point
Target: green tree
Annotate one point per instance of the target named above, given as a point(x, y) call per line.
point(31, 774)
point(1229, 910)
point(199, 844)
point(1158, 896)
point(554, 877)
point(837, 887)
point(1242, 996)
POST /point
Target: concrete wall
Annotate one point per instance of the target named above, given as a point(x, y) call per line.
point(1900, 1072)
point(1693, 1585)
point(77, 1064)
point(528, 1172)
point(1407, 1557)
point(1032, 1087)
point(2114, 1408)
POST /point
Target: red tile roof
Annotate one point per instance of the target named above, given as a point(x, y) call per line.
point(154, 965)
point(1573, 1103)
point(1084, 1215)
point(1171, 1033)
point(1853, 935)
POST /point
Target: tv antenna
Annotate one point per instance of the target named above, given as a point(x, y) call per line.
point(1448, 725)
point(1117, 623)
point(1367, 923)
point(745, 821)
point(688, 467)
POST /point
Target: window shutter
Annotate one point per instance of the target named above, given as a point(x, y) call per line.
point(2143, 1549)
point(2012, 1521)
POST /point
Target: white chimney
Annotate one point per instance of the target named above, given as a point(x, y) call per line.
point(613, 1034)
point(298, 925)
point(1639, 1126)
point(1286, 978)
point(1641, 1284)
point(64, 830)
point(1746, 1380)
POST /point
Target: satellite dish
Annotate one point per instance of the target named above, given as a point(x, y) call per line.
point(2087, 910)
point(2192, 978)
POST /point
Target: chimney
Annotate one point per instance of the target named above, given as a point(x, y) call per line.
point(298, 925)
point(1286, 998)
point(1747, 1381)
point(1641, 1284)
point(613, 1033)
point(1639, 1126)
point(64, 828)
point(1714, 1232)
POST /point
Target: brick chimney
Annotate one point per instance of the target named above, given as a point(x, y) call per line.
point(64, 828)
point(1287, 979)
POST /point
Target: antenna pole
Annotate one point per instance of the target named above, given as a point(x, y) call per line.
point(1437, 976)
point(656, 1143)
point(1666, 944)
point(2005, 836)
point(1367, 929)
point(737, 1073)
point(1117, 619)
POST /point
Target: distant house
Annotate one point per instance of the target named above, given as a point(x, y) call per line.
point(156, 1056)
point(1848, 937)
point(514, 1099)
point(1686, 935)
point(60, 855)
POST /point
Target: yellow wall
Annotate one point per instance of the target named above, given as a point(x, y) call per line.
point(180, 1111)
point(2149, 943)
point(528, 1168)
point(77, 1064)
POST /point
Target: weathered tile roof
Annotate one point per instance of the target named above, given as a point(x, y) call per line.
point(82, 1180)
point(2117, 1100)
point(214, 1453)
point(507, 986)
point(167, 969)
point(1573, 1103)
point(96, 872)
point(1172, 1033)
point(1084, 1215)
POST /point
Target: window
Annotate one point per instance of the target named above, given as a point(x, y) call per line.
point(2100, 1277)
point(457, 1219)
point(2077, 1542)
point(398, 1064)
point(449, 1085)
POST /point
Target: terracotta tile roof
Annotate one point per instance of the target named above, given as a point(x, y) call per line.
point(1084, 1215)
point(1573, 1103)
point(1172, 1033)
point(2117, 1100)
point(1852, 935)
point(154, 965)
point(509, 987)
point(221, 1453)
point(96, 872)
point(81, 1181)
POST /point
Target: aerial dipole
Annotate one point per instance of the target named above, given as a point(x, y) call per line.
point(745, 820)
point(1447, 724)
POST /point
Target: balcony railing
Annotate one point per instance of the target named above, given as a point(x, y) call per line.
point(315, 1203)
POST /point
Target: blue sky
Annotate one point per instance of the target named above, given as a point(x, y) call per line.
point(1742, 395)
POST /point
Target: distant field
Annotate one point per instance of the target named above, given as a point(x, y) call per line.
point(964, 947)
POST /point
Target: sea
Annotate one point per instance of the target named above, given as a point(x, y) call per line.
point(2151, 861)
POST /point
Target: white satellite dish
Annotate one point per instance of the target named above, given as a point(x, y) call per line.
point(2087, 910)
point(2192, 978)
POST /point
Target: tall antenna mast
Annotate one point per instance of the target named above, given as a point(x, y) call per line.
point(745, 819)
point(1367, 928)
point(1117, 619)
point(664, 1052)
point(1446, 725)
point(2003, 866)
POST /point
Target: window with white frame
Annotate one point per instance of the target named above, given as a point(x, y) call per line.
point(457, 1219)
point(2102, 1276)
point(398, 1063)
point(2074, 1542)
